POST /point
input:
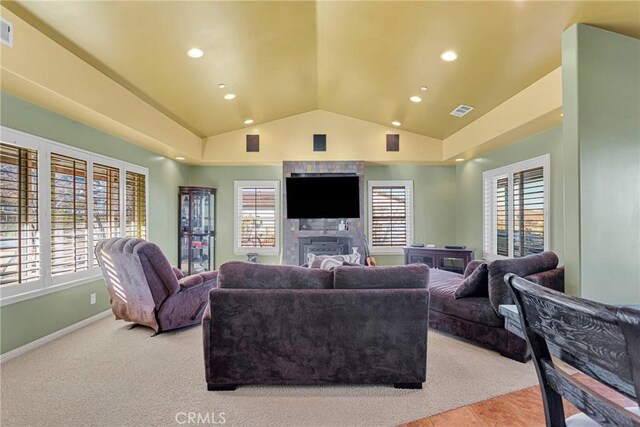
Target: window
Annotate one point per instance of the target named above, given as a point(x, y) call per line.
point(136, 201)
point(516, 202)
point(20, 240)
point(56, 203)
point(390, 216)
point(69, 211)
point(257, 217)
point(106, 203)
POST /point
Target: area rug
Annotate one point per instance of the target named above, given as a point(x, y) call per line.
point(106, 374)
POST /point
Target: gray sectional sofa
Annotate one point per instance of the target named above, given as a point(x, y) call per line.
point(477, 318)
point(269, 324)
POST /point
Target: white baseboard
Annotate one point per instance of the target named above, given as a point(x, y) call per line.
point(57, 334)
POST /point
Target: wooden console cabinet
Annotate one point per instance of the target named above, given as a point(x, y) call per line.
point(455, 260)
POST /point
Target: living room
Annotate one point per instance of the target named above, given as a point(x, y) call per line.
point(503, 130)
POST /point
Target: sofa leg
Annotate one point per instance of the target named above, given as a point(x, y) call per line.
point(411, 386)
point(221, 387)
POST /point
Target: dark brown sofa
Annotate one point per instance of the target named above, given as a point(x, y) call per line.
point(269, 324)
point(477, 318)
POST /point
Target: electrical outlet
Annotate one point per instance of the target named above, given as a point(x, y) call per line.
point(92, 299)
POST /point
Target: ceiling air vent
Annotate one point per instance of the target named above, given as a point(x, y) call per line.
point(6, 32)
point(461, 110)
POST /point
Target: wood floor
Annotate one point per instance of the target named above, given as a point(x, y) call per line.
point(522, 408)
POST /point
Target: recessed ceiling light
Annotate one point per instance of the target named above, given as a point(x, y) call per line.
point(194, 52)
point(449, 56)
point(248, 121)
point(396, 123)
point(423, 88)
point(179, 158)
point(415, 99)
point(230, 96)
point(561, 114)
point(222, 85)
point(459, 159)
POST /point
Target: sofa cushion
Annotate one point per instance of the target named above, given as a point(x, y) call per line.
point(498, 291)
point(476, 284)
point(246, 275)
point(442, 288)
point(396, 276)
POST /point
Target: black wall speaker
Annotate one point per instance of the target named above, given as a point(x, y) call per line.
point(319, 142)
point(393, 142)
point(253, 143)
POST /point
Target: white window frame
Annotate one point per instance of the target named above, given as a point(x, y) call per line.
point(543, 161)
point(243, 250)
point(390, 250)
point(45, 284)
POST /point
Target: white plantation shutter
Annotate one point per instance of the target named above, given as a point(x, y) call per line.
point(136, 205)
point(257, 216)
point(390, 215)
point(69, 215)
point(56, 203)
point(20, 237)
point(528, 212)
point(515, 209)
point(106, 203)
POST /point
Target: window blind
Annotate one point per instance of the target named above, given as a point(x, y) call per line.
point(528, 212)
point(389, 216)
point(69, 215)
point(20, 237)
point(136, 205)
point(257, 208)
point(106, 203)
point(502, 216)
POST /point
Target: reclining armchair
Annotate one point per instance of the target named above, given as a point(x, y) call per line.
point(145, 289)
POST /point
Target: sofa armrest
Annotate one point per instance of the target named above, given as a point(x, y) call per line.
point(209, 275)
point(190, 281)
point(552, 279)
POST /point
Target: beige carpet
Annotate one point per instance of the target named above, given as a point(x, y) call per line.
point(105, 374)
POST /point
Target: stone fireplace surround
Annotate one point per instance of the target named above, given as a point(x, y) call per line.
point(321, 235)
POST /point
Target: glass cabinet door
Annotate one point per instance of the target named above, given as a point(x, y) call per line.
point(184, 212)
point(184, 253)
point(197, 208)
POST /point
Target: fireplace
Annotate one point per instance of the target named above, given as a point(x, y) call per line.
point(323, 245)
point(322, 236)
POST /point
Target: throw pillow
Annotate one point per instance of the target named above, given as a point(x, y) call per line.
point(327, 262)
point(472, 266)
point(476, 285)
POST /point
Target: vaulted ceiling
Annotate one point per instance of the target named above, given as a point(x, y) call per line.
point(359, 59)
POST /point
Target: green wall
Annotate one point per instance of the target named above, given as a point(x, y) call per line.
point(601, 78)
point(434, 188)
point(26, 321)
point(469, 208)
point(434, 197)
point(222, 178)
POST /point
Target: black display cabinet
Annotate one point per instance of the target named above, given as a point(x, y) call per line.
point(197, 234)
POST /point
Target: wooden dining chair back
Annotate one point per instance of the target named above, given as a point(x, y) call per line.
point(600, 340)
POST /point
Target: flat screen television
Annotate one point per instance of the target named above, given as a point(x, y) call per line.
point(323, 197)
